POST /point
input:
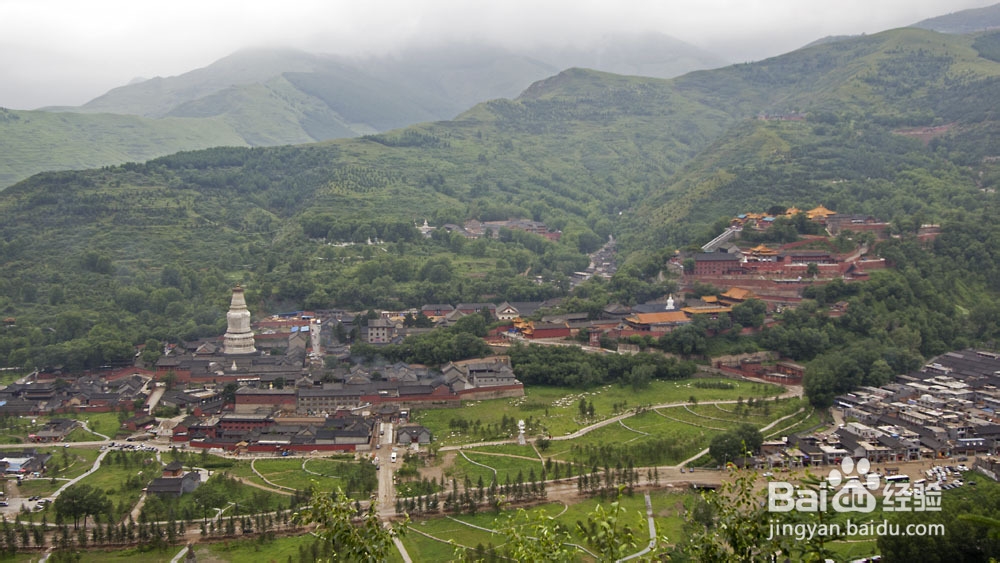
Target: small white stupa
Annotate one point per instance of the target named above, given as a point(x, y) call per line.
point(670, 302)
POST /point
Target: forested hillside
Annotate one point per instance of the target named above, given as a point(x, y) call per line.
point(898, 124)
point(33, 141)
point(268, 97)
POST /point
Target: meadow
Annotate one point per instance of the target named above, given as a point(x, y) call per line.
point(555, 411)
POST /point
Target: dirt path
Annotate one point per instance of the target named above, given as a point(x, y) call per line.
point(790, 391)
point(265, 479)
point(246, 481)
point(436, 471)
point(498, 454)
point(439, 470)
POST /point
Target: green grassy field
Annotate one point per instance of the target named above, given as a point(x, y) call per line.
point(106, 423)
point(14, 430)
point(287, 473)
point(680, 433)
point(66, 463)
point(505, 467)
point(81, 435)
point(126, 555)
point(555, 411)
point(113, 479)
point(277, 550)
point(508, 449)
point(668, 514)
point(333, 472)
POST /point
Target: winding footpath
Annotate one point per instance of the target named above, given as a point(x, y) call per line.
point(78, 478)
point(791, 391)
point(562, 484)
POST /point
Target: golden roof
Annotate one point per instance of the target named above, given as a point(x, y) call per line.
point(738, 293)
point(820, 211)
point(661, 317)
point(706, 310)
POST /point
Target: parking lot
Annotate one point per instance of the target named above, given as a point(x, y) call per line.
point(944, 477)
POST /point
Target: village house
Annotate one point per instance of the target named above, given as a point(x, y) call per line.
point(24, 462)
point(381, 331)
point(140, 421)
point(508, 311)
point(477, 308)
point(412, 434)
point(174, 481)
point(54, 430)
point(436, 310)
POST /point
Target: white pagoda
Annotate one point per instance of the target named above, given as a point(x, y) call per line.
point(239, 336)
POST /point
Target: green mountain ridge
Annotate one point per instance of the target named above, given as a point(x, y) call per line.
point(964, 21)
point(654, 162)
point(33, 141)
point(855, 92)
point(158, 96)
point(284, 96)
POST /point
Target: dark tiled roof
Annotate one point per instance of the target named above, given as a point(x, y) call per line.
point(716, 257)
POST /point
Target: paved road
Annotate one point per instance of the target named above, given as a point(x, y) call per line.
point(78, 478)
point(386, 485)
point(16, 499)
point(154, 398)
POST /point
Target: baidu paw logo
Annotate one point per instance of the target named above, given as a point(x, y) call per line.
point(854, 491)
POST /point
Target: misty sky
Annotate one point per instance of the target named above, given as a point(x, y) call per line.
point(66, 52)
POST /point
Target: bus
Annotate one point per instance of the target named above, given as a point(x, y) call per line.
point(897, 479)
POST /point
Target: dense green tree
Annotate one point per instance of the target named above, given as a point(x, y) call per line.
point(81, 501)
point(365, 540)
point(750, 313)
point(730, 446)
point(968, 516)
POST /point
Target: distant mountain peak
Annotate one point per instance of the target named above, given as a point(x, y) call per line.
point(964, 21)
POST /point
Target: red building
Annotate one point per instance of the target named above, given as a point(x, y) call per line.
point(717, 264)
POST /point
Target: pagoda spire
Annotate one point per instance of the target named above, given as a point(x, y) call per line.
point(239, 337)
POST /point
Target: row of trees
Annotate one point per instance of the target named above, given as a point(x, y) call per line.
point(568, 366)
point(734, 445)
